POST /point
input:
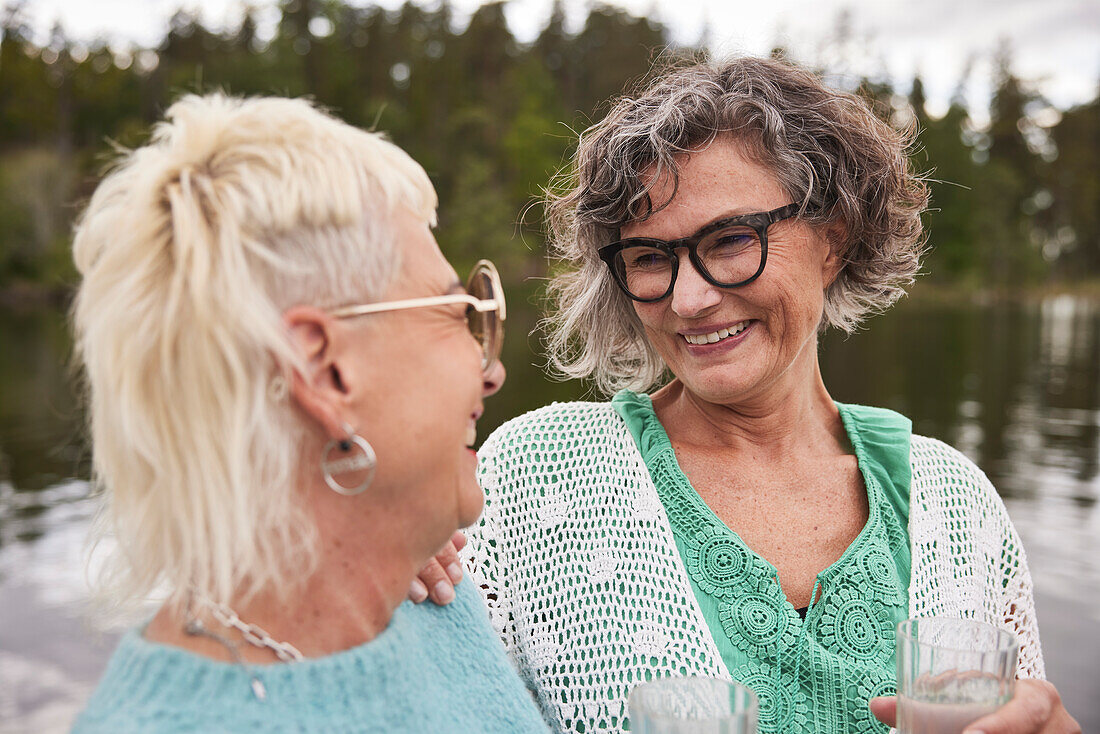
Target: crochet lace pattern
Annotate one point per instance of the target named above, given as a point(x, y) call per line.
point(576, 559)
point(812, 668)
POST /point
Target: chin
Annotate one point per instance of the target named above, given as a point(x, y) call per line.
point(721, 389)
point(470, 505)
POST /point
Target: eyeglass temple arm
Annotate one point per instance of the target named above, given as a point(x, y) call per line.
point(478, 305)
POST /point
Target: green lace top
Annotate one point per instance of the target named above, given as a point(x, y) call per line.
point(817, 674)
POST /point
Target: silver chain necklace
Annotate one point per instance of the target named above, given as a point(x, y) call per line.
point(253, 634)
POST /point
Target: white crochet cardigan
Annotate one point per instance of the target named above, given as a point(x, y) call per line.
point(577, 564)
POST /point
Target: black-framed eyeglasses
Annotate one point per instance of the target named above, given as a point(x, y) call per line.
point(728, 253)
point(485, 309)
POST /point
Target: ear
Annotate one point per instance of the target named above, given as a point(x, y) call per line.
point(835, 234)
point(319, 391)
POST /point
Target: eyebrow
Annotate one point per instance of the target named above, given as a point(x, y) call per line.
point(733, 214)
point(719, 218)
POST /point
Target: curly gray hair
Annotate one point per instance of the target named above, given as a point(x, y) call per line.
point(827, 149)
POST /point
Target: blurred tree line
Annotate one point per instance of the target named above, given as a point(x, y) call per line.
point(492, 119)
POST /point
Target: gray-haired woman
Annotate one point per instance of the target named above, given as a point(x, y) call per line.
point(737, 522)
point(284, 377)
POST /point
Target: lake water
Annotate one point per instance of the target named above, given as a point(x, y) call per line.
point(1016, 387)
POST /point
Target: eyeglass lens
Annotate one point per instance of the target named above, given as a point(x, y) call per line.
point(730, 256)
point(484, 325)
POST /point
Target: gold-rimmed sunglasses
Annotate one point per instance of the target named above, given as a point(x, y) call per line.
point(485, 309)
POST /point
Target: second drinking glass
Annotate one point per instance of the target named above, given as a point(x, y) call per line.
point(952, 672)
point(692, 706)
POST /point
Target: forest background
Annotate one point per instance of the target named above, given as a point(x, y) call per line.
point(1015, 198)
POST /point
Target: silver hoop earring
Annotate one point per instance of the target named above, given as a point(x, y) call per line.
point(363, 460)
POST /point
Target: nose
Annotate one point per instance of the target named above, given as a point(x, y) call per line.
point(692, 294)
point(493, 380)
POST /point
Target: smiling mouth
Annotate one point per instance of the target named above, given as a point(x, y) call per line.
point(716, 336)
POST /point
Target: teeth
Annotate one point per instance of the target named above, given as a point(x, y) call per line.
point(471, 435)
point(715, 336)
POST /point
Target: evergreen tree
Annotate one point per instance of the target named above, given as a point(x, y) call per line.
point(28, 94)
point(1075, 188)
point(947, 160)
point(613, 52)
point(491, 119)
point(1010, 177)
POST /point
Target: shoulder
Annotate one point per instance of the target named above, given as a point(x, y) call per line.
point(948, 487)
point(152, 687)
point(454, 633)
point(934, 460)
point(463, 623)
point(874, 416)
point(455, 668)
point(539, 464)
point(558, 422)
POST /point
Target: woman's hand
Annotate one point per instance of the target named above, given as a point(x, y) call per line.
point(1036, 708)
point(440, 574)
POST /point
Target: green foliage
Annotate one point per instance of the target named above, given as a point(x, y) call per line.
point(1005, 215)
point(491, 119)
point(36, 187)
point(953, 231)
point(1074, 181)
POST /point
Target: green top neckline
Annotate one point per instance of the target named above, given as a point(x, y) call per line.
point(879, 439)
point(817, 674)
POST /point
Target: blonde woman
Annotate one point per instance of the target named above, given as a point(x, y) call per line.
point(284, 377)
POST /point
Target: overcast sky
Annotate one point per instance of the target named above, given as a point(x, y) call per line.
point(1055, 43)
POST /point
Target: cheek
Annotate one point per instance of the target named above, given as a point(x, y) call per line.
point(661, 339)
point(792, 308)
point(803, 305)
point(801, 282)
point(650, 315)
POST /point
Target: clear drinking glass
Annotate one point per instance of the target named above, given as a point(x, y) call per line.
point(952, 672)
point(695, 705)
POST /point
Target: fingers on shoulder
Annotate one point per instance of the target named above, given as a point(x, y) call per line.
point(458, 540)
point(447, 557)
point(438, 582)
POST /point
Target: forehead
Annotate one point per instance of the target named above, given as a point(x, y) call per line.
point(721, 179)
point(424, 270)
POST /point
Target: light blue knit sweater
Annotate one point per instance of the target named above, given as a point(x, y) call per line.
point(434, 669)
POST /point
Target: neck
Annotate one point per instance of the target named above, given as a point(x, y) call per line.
point(360, 580)
point(797, 412)
point(367, 556)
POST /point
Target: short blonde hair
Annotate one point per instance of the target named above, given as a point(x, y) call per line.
point(190, 251)
point(827, 150)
